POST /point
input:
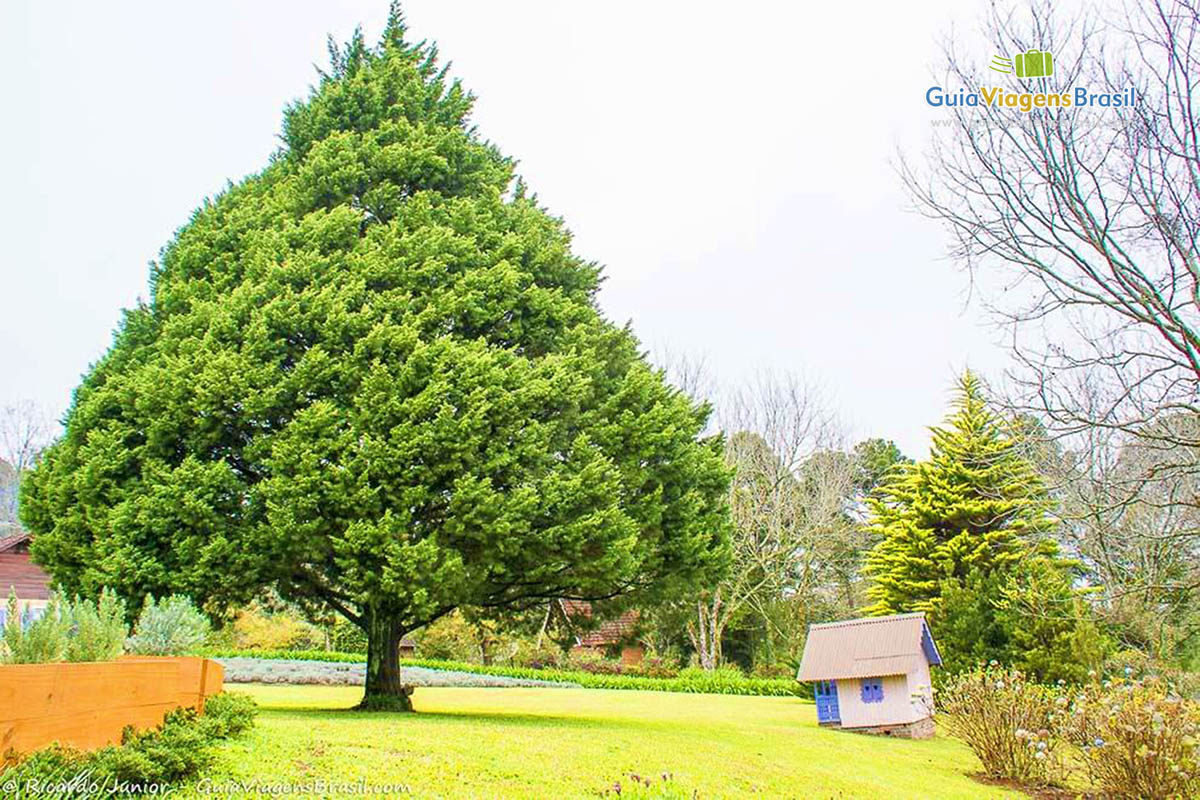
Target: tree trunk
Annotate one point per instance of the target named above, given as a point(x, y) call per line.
point(705, 632)
point(384, 688)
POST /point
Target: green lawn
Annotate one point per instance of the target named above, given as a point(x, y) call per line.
point(565, 743)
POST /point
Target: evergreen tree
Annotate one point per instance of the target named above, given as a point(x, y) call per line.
point(374, 377)
point(975, 505)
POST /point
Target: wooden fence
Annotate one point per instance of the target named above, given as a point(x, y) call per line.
point(88, 705)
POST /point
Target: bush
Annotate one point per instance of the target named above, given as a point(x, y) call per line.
point(172, 627)
point(1008, 722)
point(259, 629)
point(66, 631)
point(656, 667)
point(346, 637)
point(98, 630)
point(43, 641)
point(594, 663)
point(1138, 739)
point(451, 638)
point(144, 762)
point(539, 656)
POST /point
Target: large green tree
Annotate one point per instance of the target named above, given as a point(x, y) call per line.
point(976, 505)
point(375, 377)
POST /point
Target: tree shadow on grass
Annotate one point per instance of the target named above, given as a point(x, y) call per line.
point(497, 718)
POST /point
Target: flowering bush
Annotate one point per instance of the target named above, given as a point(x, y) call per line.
point(1129, 738)
point(1007, 721)
point(1138, 738)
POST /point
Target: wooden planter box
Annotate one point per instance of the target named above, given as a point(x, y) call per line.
point(88, 705)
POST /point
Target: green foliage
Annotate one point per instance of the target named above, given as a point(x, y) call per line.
point(346, 637)
point(375, 377)
point(170, 627)
point(68, 631)
point(98, 630)
point(875, 461)
point(259, 628)
point(976, 504)
point(45, 640)
point(449, 639)
point(1029, 618)
point(145, 762)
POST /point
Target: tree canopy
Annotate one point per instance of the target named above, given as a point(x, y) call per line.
point(375, 377)
point(975, 504)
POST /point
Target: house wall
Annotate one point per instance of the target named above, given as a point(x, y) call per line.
point(920, 688)
point(895, 708)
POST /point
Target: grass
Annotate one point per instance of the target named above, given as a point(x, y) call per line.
point(575, 743)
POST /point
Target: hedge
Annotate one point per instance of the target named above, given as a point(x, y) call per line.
point(152, 762)
point(689, 680)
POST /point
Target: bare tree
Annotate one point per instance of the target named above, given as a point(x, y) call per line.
point(25, 430)
point(1135, 527)
point(788, 498)
point(1080, 225)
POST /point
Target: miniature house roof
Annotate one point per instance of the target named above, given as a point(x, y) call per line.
point(867, 648)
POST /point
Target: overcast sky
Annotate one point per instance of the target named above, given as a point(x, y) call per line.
point(729, 166)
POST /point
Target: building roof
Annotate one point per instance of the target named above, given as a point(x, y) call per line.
point(609, 632)
point(9, 541)
point(867, 648)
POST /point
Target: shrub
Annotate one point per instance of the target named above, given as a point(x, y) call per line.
point(66, 631)
point(1138, 739)
point(98, 630)
point(172, 627)
point(44, 640)
point(1008, 722)
point(538, 656)
point(346, 637)
point(655, 667)
point(176, 750)
point(594, 663)
point(450, 638)
point(258, 629)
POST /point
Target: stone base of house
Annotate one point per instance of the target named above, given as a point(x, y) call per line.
point(921, 729)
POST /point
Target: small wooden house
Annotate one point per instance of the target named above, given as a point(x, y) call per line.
point(872, 674)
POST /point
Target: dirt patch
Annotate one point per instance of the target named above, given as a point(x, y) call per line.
point(1036, 792)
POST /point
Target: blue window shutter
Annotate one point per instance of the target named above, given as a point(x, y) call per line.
point(879, 690)
point(866, 690)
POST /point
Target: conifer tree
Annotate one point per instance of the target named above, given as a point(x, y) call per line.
point(975, 506)
point(375, 378)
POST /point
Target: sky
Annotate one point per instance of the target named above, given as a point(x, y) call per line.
point(731, 167)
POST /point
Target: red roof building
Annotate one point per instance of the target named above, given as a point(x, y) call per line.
point(18, 573)
point(611, 636)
